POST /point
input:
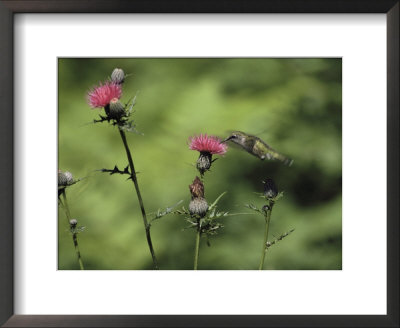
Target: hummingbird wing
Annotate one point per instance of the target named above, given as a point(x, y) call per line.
point(269, 153)
point(253, 145)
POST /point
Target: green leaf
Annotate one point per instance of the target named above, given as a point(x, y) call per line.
point(254, 208)
point(160, 213)
point(273, 242)
point(216, 201)
point(131, 102)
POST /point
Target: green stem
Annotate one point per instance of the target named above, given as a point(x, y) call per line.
point(139, 196)
point(66, 207)
point(264, 248)
point(78, 253)
point(74, 237)
point(197, 247)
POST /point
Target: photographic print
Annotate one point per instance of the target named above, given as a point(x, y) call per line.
point(199, 163)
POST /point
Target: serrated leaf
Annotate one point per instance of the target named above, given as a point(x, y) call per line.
point(253, 207)
point(276, 240)
point(116, 170)
point(160, 213)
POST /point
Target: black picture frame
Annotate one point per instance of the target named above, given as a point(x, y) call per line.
point(11, 7)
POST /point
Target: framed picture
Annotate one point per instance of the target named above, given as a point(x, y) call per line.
point(185, 140)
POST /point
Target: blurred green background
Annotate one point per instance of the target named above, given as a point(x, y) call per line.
point(292, 104)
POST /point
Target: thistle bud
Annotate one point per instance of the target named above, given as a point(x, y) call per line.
point(197, 188)
point(198, 206)
point(118, 76)
point(266, 208)
point(270, 189)
point(204, 162)
point(65, 178)
point(73, 223)
point(116, 109)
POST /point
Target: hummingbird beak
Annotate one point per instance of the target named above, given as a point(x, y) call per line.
point(227, 139)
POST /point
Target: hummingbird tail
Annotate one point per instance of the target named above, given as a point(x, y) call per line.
point(285, 160)
point(288, 161)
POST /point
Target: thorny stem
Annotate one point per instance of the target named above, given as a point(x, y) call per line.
point(267, 221)
point(139, 196)
point(74, 235)
point(196, 250)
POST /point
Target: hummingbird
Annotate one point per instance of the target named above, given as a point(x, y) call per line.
point(255, 146)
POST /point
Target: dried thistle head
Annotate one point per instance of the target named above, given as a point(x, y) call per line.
point(73, 223)
point(65, 178)
point(197, 188)
point(118, 76)
point(198, 206)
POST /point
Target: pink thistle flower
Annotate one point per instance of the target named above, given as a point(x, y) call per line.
point(101, 95)
point(208, 144)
